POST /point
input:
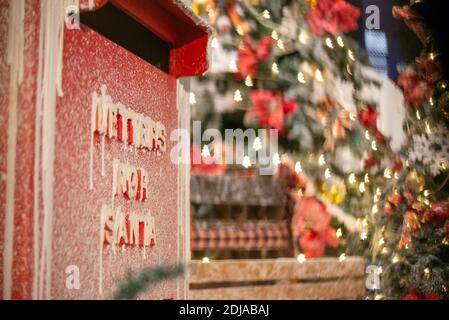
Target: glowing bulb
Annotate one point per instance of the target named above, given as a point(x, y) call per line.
point(301, 78)
point(301, 258)
point(205, 260)
point(374, 145)
point(352, 179)
point(318, 75)
point(342, 257)
point(329, 43)
point(246, 163)
point(428, 129)
point(375, 209)
point(387, 173)
point(192, 98)
point(352, 116)
point(303, 36)
point(266, 14)
point(363, 235)
point(340, 41)
point(275, 35)
point(339, 233)
point(367, 135)
point(280, 45)
point(321, 160)
point(298, 167)
point(275, 69)
point(327, 173)
point(366, 178)
point(362, 187)
point(381, 241)
point(249, 81)
point(257, 144)
point(418, 115)
point(237, 96)
point(395, 259)
point(351, 55)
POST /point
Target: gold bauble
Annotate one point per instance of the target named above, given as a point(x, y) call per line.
point(415, 182)
point(333, 190)
point(312, 4)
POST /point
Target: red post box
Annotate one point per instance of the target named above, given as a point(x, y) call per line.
point(88, 191)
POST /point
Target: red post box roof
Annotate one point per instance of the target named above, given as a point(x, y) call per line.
point(175, 23)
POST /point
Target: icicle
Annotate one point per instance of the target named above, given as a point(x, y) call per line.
point(14, 58)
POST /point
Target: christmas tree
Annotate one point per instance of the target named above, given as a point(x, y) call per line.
point(291, 66)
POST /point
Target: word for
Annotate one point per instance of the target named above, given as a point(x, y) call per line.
point(127, 229)
point(130, 181)
point(116, 121)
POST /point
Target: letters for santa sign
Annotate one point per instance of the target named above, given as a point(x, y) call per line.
point(88, 190)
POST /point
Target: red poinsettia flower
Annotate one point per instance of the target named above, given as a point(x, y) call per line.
point(270, 109)
point(413, 294)
point(415, 90)
point(249, 55)
point(313, 243)
point(368, 118)
point(204, 166)
point(310, 214)
point(332, 16)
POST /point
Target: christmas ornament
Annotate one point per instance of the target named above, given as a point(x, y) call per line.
point(333, 190)
point(415, 182)
point(415, 90)
point(332, 16)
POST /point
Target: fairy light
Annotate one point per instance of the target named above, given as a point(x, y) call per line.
point(327, 173)
point(321, 160)
point(280, 44)
point(395, 259)
point(205, 151)
point(428, 129)
point(363, 235)
point(432, 56)
point(249, 81)
point(246, 162)
point(329, 43)
point(375, 209)
point(431, 101)
point(340, 41)
point(374, 145)
point(385, 251)
point(298, 167)
point(367, 135)
point(351, 55)
point(379, 297)
point(387, 173)
point(366, 178)
point(348, 69)
point(276, 159)
point(352, 179)
point(418, 115)
point(342, 257)
point(339, 233)
point(427, 273)
point(205, 260)
point(319, 75)
point(237, 96)
point(301, 258)
point(214, 43)
point(240, 31)
point(266, 14)
point(233, 66)
point(275, 35)
point(303, 36)
point(275, 69)
point(381, 241)
point(301, 77)
point(362, 187)
point(192, 98)
point(257, 144)
point(352, 116)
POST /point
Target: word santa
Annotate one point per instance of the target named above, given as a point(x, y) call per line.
point(127, 229)
point(116, 121)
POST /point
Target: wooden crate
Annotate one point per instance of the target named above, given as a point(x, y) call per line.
point(283, 279)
